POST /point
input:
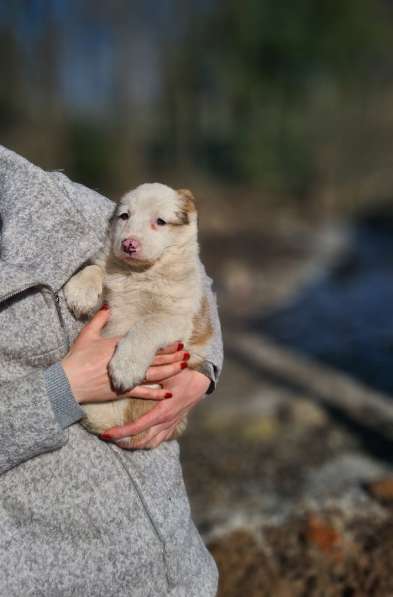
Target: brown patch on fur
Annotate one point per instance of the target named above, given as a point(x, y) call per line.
point(188, 206)
point(188, 198)
point(183, 219)
point(136, 408)
point(202, 327)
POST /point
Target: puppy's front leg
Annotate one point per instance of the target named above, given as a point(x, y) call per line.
point(135, 352)
point(83, 292)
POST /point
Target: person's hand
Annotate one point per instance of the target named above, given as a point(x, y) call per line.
point(188, 388)
point(86, 364)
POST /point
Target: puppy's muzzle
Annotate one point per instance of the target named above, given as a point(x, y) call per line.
point(130, 246)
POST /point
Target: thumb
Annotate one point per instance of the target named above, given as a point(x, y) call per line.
point(99, 320)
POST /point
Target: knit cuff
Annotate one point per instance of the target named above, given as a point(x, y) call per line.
point(66, 409)
point(208, 369)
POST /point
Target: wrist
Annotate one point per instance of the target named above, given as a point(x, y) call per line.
point(207, 369)
point(203, 381)
point(69, 372)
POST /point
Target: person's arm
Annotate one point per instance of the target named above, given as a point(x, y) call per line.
point(212, 365)
point(35, 409)
point(28, 424)
point(67, 408)
point(188, 388)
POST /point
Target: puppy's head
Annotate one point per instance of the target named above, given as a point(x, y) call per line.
point(150, 220)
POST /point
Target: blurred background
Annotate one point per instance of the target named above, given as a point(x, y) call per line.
point(279, 117)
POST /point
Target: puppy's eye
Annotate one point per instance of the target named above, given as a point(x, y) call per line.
point(124, 216)
point(160, 222)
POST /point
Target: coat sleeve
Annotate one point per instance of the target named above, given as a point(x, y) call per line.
point(212, 366)
point(28, 424)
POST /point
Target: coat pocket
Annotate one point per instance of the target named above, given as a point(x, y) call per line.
point(31, 333)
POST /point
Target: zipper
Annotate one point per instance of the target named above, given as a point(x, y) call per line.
point(170, 581)
point(60, 316)
point(6, 297)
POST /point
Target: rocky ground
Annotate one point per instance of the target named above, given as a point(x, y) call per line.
point(290, 464)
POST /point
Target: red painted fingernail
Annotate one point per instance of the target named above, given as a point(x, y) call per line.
point(186, 356)
point(105, 436)
point(168, 395)
point(183, 365)
point(180, 346)
point(105, 307)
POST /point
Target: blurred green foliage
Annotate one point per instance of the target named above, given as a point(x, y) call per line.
point(292, 98)
point(257, 78)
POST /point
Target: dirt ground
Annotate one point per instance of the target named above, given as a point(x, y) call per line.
point(321, 554)
point(284, 469)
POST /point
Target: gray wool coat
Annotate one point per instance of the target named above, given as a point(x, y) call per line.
point(77, 516)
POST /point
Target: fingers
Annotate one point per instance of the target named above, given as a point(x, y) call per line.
point(156, 435)
point(153, 417)
point(97, 323)
point(176, 346)
point(173, 357)
point(158, 439)
point(154, 442)
point(161, 437)
point(149, 393)
point(163, 372)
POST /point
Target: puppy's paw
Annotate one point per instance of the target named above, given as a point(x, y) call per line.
point(83, 294)
point(83, 302)
point(124, 369)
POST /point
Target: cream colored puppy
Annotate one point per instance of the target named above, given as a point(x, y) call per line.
point(150, 275)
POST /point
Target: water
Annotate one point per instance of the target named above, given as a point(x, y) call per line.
point(345, 317)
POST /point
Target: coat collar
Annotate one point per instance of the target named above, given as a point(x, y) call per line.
point(49, 225)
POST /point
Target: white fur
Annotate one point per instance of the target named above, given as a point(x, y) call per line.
point(153, 296)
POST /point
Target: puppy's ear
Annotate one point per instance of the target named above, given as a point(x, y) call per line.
point(188, 200)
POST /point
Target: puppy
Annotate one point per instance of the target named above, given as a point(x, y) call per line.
point(150, 275)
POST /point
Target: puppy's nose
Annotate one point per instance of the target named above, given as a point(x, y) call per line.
point(130, 245)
